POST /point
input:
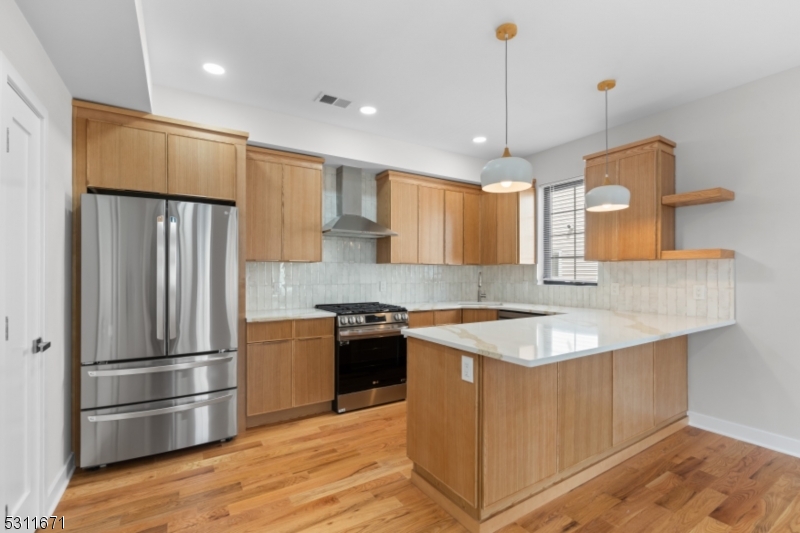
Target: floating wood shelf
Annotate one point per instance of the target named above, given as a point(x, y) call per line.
point(707, 196)
point(711, 253)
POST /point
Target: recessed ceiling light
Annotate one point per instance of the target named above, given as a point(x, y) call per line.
point(368, 110)
point(213, 68)
point(479, 140)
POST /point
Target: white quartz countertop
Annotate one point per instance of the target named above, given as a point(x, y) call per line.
point(574, 332)
point(287, 314)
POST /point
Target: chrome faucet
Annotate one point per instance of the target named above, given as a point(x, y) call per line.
point(481, 294)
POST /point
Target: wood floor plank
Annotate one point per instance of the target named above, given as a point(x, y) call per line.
point(350, 474)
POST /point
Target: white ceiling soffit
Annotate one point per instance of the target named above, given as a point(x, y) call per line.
point(97, 46)
point(434, 70)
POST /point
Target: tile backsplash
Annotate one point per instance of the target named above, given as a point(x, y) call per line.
point(349, 273)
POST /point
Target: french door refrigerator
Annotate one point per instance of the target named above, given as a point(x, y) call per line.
point(159, 305)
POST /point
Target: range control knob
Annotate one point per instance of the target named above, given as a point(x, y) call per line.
point(405, 316)
point(360, 320)
point(342, 320)
point(397, 316)
point(351, 320)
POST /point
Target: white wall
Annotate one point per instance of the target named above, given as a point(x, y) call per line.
point(745, 139)
point(278, 130)
point(21, 47)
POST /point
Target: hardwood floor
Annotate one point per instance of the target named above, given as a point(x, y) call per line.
point(349, 473)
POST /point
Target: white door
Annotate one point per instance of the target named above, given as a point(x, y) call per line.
point(21, 292)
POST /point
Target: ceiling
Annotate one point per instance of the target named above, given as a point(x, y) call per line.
point(434, 69)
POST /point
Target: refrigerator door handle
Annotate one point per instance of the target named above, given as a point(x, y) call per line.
point(162, 411)
point(173, 277)
point(160, 253)
point(156, 369)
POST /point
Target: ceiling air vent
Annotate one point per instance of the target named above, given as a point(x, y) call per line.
point(333, 100)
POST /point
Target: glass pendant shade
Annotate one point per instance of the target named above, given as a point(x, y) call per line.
point(607, 198)
point(507, 174)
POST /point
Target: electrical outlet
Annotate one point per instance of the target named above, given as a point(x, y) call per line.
point(382, 286)
point(615, 289)
point(699, 292)
point(467, 369)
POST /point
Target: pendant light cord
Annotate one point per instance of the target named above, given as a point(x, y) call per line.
point(506, 90)
point(606, 91)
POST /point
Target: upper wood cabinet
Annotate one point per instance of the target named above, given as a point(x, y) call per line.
point(445, 222)
point(284, 206)
point(120, 149)
point(646, 228)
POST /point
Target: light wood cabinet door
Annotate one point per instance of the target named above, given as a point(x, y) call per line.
point(507, 228)
point(398, 208)
point(199, 167)
point(431, 226)
point(472, 229)
point(601, 228)
point(269, 377)
point(124, 158)
point(420, 319)
point(671, 396)
point(454, 228)
point(264, 210)
point(447, 317)
point(636, 225)
point(313, 371)
point(469, 316)
point(584, 408)
point(633, 392)
point(489, 229)
point(302, 214)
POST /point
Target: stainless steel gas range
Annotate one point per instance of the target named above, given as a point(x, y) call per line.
point(370, 354)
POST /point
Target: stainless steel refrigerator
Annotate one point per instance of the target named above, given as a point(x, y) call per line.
point(159, 304)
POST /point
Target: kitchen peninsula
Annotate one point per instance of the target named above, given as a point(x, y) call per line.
point(505, 416)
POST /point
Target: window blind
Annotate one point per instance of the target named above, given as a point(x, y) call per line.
point(564, 235)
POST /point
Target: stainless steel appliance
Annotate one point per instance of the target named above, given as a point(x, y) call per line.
point(370, 354)
point(159, 305)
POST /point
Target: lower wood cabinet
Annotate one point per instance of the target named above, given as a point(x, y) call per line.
point(633, 392)
point(289, 364)
point(446, 317)
point(670, 384)
point(469, 316)
point(420, 319)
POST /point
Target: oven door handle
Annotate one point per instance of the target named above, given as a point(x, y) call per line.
point(371, 334)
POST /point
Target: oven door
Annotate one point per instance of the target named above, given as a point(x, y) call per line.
point(369, 363)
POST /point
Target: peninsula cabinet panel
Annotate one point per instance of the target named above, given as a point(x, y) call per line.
point(468, 316)
point(671, 396)
point(124, 158)
point(199, 167)
point(269, 377)
point(443, 417)
point(264, 210)
point(519, 418)
point(454, 227)
point(420, 319)
point(489, 229)
point(313, 371)
point(585, 408)
point(600, 240)
point(431, 226)
point(507, 228)
point(633, 392)
point(447, 317)
point(472, 229)
point(636, 230)
point(302, 214)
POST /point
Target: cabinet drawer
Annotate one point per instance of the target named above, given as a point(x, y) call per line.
point(269, 331)
point(315, 327)
point(448, 316)
point(420, 319)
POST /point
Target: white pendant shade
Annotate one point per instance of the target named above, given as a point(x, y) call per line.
point(507, 174)
point(608, 198)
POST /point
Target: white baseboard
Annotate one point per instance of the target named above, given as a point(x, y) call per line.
point(56, 489)
point(759, 437)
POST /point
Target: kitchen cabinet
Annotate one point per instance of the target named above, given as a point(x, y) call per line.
point(508, 228)
point(420, 319)
point(488, 218)
point(201, 167)
point(454, 227)
point(469, 316)
point(284, 198)
point(446, 317)
point(647, 227)
point(472, 228)
point(670, 382)
point(398, 209)
point(290, 364)
point(431, 226)
point(633, 392)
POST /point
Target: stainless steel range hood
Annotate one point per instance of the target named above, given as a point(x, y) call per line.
point(350, 222)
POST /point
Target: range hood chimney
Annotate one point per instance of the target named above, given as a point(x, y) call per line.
point(350, 222)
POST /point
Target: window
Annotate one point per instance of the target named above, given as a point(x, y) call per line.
point(563, 235)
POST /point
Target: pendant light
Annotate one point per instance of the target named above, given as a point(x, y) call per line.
point(607, 197)
point(507, 174)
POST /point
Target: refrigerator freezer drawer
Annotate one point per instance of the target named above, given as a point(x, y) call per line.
point(156, 379)
point(120, 433)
